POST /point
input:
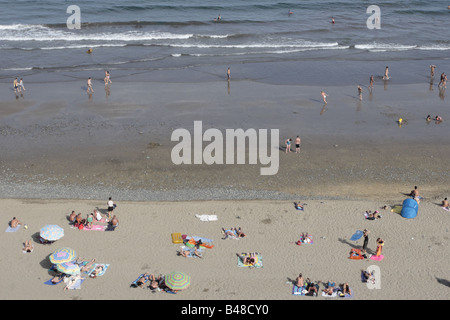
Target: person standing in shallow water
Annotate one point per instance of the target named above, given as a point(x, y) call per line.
point(228, 74)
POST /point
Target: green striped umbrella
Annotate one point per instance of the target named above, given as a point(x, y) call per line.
point(177, 280)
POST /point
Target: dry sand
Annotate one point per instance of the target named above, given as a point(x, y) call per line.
point(415, 264)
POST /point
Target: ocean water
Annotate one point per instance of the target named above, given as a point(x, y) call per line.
point(136, 38)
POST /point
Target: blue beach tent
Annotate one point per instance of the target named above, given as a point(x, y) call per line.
point(410, 208)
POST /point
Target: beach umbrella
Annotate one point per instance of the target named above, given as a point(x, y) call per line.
point(51, 232)
point(177, 280)
point(68, 268)
point(63, 255)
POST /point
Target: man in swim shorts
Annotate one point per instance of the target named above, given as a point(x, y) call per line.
point(297, 144)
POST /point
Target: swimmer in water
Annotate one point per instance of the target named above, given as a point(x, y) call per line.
point(332, 20)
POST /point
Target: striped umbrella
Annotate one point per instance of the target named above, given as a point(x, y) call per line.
point(177, 280)
point(63, 255)
point(51, 232)
point(68, 268)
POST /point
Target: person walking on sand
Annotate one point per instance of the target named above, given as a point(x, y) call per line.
point(386, 73)
point(371, 81)
point(89, 86)
point(16, 86)
point(228, 74)
point(21, 86)
point(107, 78)
point(366, 241)
point(360, 93)
point(288, 145)
point(432, 67)
point(111, 206)
point(324, 96)
point(297, 144)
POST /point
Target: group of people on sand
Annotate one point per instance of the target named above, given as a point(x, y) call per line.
point(106, 79)
point(249, 259)
point(288, 143)
point(79, 222)
point(156, 283)
point(18, 86)
point(233, 233)
point(442, 83)
point(312, 287)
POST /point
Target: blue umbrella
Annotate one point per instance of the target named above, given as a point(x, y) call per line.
point(51, 232)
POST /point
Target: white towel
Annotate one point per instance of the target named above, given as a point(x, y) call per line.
point(207, 217)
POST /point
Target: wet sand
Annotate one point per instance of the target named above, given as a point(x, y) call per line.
point(350, 149)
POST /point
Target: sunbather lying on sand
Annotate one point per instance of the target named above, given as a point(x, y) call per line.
point(142, 280)
point(96, 271)
point(155, 282)
point(27, 246)
point(14, 222)
point(87, 266)
point(298, 206)
point(186, 253)
point(249, 259)
point(372, 216)
point(72, 281)
point(368, 277)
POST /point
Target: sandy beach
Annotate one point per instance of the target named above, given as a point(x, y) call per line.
point(415, 260)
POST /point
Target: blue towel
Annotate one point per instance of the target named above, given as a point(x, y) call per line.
point(298, 291)
point(357, 235)
point(9, 229)
point(204, 240)
point(50, 283)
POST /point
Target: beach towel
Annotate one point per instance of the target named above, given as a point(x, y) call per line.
point(76, 285)
point(334, 294)
point(397, 209)
point(105, 267)
point(357, 235)
point(347, 295)
point(95, 227)
point(298, 291)
point(258, 263)
point(204, 240)
point(9, 229)
point(50, 283)
point(206, 217)
point(377, 258)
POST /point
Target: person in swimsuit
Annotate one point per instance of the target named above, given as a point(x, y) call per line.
point(432, 67)
point(107, 78)
point(445, 203)
point(16, 86)
point(288, 145)
point(228, 74)
point(297, 144)
point(360, 93)
point(324, 96)
point(380, 244)
point(386, 73)
point(371, 81)
point(89, 86)
point(366, 241)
